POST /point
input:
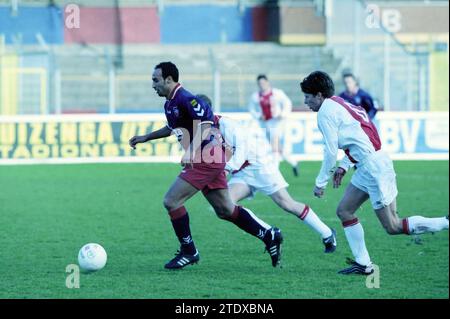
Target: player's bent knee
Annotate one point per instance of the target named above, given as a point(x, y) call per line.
point(344, 214)
point(390, 230)
point(393, 229)
point(222, 212)
point(170, 204)
point(167, 204)
point(222, 215)
point(234, 198)
point(340, 213)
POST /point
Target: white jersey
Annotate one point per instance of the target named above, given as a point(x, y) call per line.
point(347, 127)
point(249, 144)
point(253, 162)
point(280, 105)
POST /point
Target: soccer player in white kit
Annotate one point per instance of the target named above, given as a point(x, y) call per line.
point(271, 107)
point(253, 168)
point(348, 127)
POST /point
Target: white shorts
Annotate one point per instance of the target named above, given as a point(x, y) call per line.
point(376, 177)
point(267, 180)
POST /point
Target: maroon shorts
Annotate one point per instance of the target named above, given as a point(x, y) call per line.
point(205, 177)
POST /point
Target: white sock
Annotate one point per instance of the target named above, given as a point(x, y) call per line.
point(312, 220)
point(418, 225)
point(355, 237)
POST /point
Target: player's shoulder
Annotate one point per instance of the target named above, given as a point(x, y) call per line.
point(277, 91)
point(189, 99)
point(329, 108)
point(329, 105)
point(185, 95)
point(343, 95)
point(363, 93)
point(281, 95)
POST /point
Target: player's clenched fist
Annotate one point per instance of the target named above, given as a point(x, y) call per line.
point(337, 177)
point(318, 191)
point(136, 140)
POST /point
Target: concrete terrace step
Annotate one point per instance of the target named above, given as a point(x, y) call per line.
point(85, 72)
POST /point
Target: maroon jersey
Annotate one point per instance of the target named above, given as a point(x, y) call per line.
point(266, 107)
point(185, 111)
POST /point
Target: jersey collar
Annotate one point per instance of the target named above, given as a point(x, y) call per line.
point(174, 91)
point(266, 94)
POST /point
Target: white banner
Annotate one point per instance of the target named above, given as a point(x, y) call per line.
point(104, 138)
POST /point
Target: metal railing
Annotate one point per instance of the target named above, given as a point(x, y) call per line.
point(84, 79)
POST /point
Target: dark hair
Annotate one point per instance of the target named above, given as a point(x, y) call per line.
point(204, 98)
point(168, 69)
point(349, 75)
point(316, 82)
point(262, 76)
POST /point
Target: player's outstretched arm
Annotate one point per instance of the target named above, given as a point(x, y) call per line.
point(161, 133)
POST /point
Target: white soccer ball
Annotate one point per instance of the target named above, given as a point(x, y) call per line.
point(92, 257)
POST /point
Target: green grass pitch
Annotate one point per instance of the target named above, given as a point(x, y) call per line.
point(48, 212)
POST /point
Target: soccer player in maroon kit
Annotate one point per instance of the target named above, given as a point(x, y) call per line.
point(192, 120)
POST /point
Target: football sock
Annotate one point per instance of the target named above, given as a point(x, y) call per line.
point(418, 225)
point(312, 220)
point(180, 222)
point(247, 221)
point(355, 237)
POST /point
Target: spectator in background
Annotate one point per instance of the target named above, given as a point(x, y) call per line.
point(357, 96)
point(270, 107)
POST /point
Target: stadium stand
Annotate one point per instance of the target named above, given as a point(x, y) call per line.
point(86, 74)
point(49, 68)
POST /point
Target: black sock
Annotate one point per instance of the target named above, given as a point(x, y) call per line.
point(180, 222)
point(247, 221)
